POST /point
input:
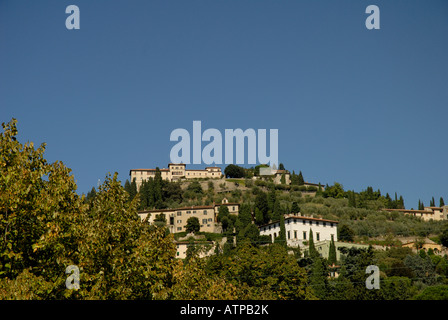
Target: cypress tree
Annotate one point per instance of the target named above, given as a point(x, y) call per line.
point(295, 208)
point(300, 180)
point(319, 278)
point(311, 248)
point(133, 190)
point(332, 253)
point(441, 203)
point(283, 179)
point(401, 203)
point(282, 235)
point(158, 188)
point(432, 202)
point(276, 214)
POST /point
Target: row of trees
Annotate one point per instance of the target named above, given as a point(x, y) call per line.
point(432, 203)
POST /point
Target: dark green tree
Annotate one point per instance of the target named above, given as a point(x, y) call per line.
point(133, 190)
point(261, 203)
point(295, 208)
point(91, 194)
point(300, 180)
point(234, 171)
point(311, 248)
point(259, 219)
point(351, 199)
point(281, 239)
point(345, 233)
point(441, 202)
point(432, 203)
point(193, 225)
point(319, 278)
point(332, 253)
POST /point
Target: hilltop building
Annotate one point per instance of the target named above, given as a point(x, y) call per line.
point(428, 213)
point(177, 218)
point(174, 172)
point(298, 230)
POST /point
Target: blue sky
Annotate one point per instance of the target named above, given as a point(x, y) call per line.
point(360, 107)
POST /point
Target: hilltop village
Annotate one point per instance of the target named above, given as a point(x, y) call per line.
point(282, 206)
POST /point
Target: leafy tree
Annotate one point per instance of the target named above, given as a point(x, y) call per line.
point(250, 234)
point(234, 171)
point(91, 194)
point(193, 225)
point(353, 277)
point(423, 268)
point(262, 273)
point(444, 237)
point(32, 193)
point(195, 187)
point(191, 282)
point(335, 191)
point(439, 292)
point(160, 219)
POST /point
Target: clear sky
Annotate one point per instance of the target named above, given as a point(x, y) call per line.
point(357, 106)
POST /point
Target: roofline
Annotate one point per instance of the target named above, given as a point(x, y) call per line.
point(190, 207)
point(409, 210)
point(303, 218)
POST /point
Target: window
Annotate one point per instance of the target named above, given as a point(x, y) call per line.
point(311, 223)
point(304, 235)
point(188, 211)
point(303, 221)
point(179, 213)
point(205, 212)
point(179, 228)
point(325, 224)
point(289, 235)
point(179, 221)
point(317, 236)
point(204, 221)
point(295, 234)
point(194, 211)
